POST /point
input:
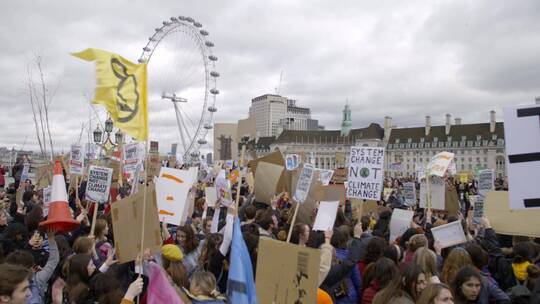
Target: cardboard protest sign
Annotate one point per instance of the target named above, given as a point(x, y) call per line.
point(98, 184)
point(44, 176)
point(90, 152)
point(25, 172)
point(439, 163)
point(303, 184)
point(507, 221)
point(400, 222)
point(341, 159)
point(326, 216)
point(361, 207)
point(409, 193)
point(250, 180)
point(451, 202)
point(437, 193)
point(325, 176)
point(522, 138)
point(449, 234)
point(47, 192)
point(292, 161)
point(276, 158)
point(153, 165)
point(485, 184)
point(172, 188)
point(223, 188)
point(365, 177)
point(340, 176)
point(452, 168)
point(127, 221)
point(333, 193)
point(267, 177)
point(286, 273)
point(395, 166)
point(132, 157)
point(211, 196)
point(76, 160)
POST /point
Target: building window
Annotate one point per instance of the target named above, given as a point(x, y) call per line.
point(397, 140)
point(478, 137)
point(422, 139)
point(500, 141)
point(478, 159)
point(485, 159)
point(449, 138)
point(463, 138)
point(462, 167)
point(470, 166)
point(414, 159)
point(409, 140)
point(494, 137)
point(435, 139)
point(470, 159)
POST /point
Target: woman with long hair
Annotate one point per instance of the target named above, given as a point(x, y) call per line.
point(426, 259)
point(470, 287)
point(79, 271)
point(456, 260)
point(436, 294)
point(102, 243)
point(202, 289)
point(377, 276)
point(404, 288)
point(189, 244)
point(172, 258)
point(300, 234)
point(374, 250)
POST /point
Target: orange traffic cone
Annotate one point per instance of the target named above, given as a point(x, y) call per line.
point(59, 218)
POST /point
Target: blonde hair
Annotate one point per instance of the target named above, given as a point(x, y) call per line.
point(206, 282)
point(83, 244)
point(417, 241)
point(426, 259)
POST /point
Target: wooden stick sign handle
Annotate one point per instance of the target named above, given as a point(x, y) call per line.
point(94, 217)
point(293, 221)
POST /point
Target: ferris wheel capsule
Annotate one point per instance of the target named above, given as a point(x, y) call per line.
point(181, 18)
point(208, 126)
point(212, 109)
point(197, 24)
point(174, 19)
point(189, 19)
point(203, 32)
point(214, 74)
point(212, 57)
point(202, 141)
point(214, 91)
point(209, 43)
point(166, 23)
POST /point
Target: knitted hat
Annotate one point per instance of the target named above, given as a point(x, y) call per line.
point(323, 297)
point(172, 253)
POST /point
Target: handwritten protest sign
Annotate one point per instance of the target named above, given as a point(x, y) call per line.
point(172, 188)
point(326, 216)
point(154, 165)
point(522, 138)
point(99, 184)
point(395, 166)
point(304, 181)
point(286, 273)
point(409, 193)
point(365, 176)
point(90, 152)
point(292, 161)
point(76, 160)
point(325, 176)
point(132, 157)
point(420, 172)
point(449, 235)
point(439, 163)
point(25, 171)
point(437, 193)
point(485, 184)
point(400, 222)
point(211, 196)
point(47, 193)
point(223, 188)
point(452, 168)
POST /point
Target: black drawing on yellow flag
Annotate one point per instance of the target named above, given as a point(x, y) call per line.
point(127, 96)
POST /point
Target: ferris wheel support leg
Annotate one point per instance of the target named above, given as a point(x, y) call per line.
point(178, 118)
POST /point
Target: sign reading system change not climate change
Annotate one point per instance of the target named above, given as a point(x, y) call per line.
point(365, 177)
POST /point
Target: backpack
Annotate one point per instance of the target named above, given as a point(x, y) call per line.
point(519, 293)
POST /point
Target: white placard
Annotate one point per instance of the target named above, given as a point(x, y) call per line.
point(522, 137)
point(292, 161)
point(365, 176)
point(420, 172)
point(25, 171)
point(303, 184)
point(172, 188)
point(229, 164)
point(326, 216)
point(132, 157)
point(47, 193)
point(439, 163)
point(90, 151)
point(400, 222)
point(76, 160)
point(99, 184)
point(449, 234)
point(395, 166)
point(409, 194)
point(223, 188)
point(211, 196)
point(452, 169)
point(325, 176)
point(485, 184)
point(437, 193)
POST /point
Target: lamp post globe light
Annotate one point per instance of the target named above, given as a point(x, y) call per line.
point(105, 142)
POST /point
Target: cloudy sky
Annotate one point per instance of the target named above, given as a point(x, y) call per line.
point(404, 59)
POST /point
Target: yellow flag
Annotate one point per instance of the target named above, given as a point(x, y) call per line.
point(121, 88)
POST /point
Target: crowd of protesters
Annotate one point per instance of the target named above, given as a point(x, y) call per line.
point(358, 263)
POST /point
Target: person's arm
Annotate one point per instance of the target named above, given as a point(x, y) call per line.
point(227, 236)
point(108, 262)
point(496, 295)
point(47, 271)
point(326, 256)
point(134, 289)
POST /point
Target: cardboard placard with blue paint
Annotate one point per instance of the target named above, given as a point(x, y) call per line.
point(304, 183)
point(365, 178)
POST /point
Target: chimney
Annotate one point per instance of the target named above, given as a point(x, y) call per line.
point(448, 124)
point(428, 124)
point(492, 121)
point(387, 127)
point(457, 121)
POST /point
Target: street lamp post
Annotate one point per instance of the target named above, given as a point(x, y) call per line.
point(105, 142)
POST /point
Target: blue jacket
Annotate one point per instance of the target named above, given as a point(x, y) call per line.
point(353, 280)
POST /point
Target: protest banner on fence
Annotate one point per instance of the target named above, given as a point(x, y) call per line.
point(409, 194)
point(266, 181)
point(76, 160)
point(292, 161)
point(128, 224)
point(286, 273)
point(326, 216)
point(223, 188)
point(211, 196)
point(399, 223)
point(365, 176)
point(172, 188)
point(485, 184)
point(506, 221)
point(98, 184)
point(437, 193)
point(132, 157)
point(522, 138)
point(439, 163)
point(303, 184)
point(449, 234)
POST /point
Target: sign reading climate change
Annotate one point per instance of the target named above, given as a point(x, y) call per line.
point(365, 177)
point(99, 184)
